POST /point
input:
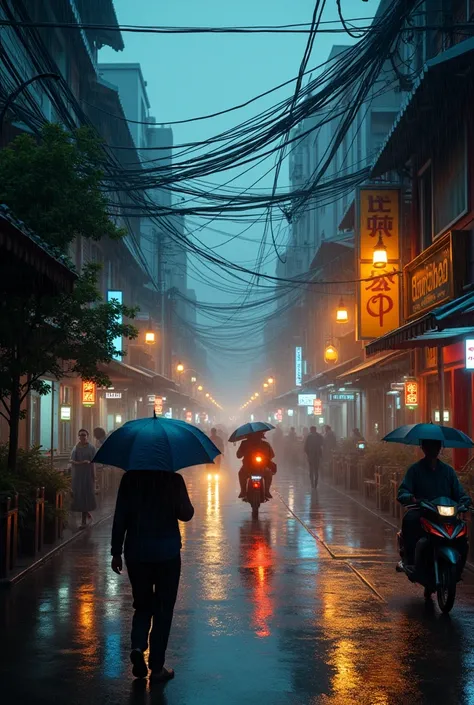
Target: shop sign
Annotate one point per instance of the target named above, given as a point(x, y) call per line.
point(310, 410)
point(379, 301)
point(342, 396)
point(379, 215)
point(113, 395)
point(378, 298)
point(306, 399)
point(279, 416)
point(88, 393)
point(65, 413)
point(189, 416)
point(430, 279)
point(411, 393)
point(158, 406)
point(298, 366)
point(290, 412)
point(397, 386)
point(317, 407)
point(469, 347)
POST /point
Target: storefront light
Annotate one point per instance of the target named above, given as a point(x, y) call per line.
point(331, 354)
point(342, 314)
point(380, 257)
point(149, 337)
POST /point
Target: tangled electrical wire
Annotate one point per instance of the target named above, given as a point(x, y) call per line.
point(341, 87)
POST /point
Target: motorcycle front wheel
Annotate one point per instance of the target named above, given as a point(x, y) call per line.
point(446, 590)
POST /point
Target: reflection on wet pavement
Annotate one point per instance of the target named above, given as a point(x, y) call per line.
point(264, 614)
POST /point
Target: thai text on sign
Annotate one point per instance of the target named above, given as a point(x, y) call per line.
point(88, 393)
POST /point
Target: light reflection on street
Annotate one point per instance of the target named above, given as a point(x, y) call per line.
point(257, 567)
point(215, 586)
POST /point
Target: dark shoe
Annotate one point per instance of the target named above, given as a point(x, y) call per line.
point(242, 495)
point(166, 674)
point(139, 669)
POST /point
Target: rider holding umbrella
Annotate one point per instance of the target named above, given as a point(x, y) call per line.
point(253, 440)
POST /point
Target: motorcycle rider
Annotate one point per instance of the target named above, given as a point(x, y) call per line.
point(427, 479)
point(249, 447)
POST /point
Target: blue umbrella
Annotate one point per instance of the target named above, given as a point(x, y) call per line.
point(248, 428)
point(157, 444)
point(413, 434)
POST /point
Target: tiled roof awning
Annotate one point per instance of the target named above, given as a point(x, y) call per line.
point(436, 94)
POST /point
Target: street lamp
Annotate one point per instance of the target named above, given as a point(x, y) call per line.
point(342, 314)
point(200, 388)
point(265, 385)
point(149, 337)
point(207, 395)
point(271, 381)
point(380, 258)
point(331, 354)
point(180, 367)
point(193, 380)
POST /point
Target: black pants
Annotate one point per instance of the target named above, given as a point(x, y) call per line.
point(244, 474)
point(313, 463)
point(154, 587)
point(411, 532)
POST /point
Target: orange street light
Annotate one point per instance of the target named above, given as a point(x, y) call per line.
point(149, 337)
point(180, 367)
point(380, 257)
point(271, 380)
point(342, 314)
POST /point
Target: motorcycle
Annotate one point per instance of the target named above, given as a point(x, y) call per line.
point(255, 487)
point(439, 555)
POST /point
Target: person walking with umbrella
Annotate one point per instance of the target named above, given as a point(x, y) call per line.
point(150, 502)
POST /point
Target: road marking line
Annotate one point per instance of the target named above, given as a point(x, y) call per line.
point(366, 582)
point(308, 529)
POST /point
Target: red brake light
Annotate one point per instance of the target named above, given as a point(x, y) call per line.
point(256, 485)
point(258, 458)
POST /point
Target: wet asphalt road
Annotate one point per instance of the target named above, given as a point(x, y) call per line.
point(302, 606)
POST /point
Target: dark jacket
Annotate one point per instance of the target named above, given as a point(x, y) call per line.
point(424, 482)
point(149, 505)
point(250, 446)
point(313, 445)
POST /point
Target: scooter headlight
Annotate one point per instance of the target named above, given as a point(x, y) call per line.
point(446, 511)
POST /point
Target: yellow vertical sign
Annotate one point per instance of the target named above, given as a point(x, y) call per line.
point(379, 295)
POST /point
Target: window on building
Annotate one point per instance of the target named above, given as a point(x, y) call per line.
point(450, 178)
point(425, 198)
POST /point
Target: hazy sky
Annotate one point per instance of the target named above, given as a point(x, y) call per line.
point(192, 75)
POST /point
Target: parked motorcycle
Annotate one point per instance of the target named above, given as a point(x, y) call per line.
point(439, 555)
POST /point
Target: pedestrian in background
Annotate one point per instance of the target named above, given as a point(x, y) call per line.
point(149, 505)
point(83, 477)
point(313, 447)
point(99, 436)
point(219, 443)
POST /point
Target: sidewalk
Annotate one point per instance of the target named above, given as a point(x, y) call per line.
point(72, 531)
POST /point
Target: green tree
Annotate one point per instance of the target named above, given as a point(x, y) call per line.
point(55, 186)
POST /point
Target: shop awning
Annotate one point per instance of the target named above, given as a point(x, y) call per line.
point(41, 266)
point(328, 376)
point(443, 326)
point(121, 372)
point(367, 367)
point(440, 87)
